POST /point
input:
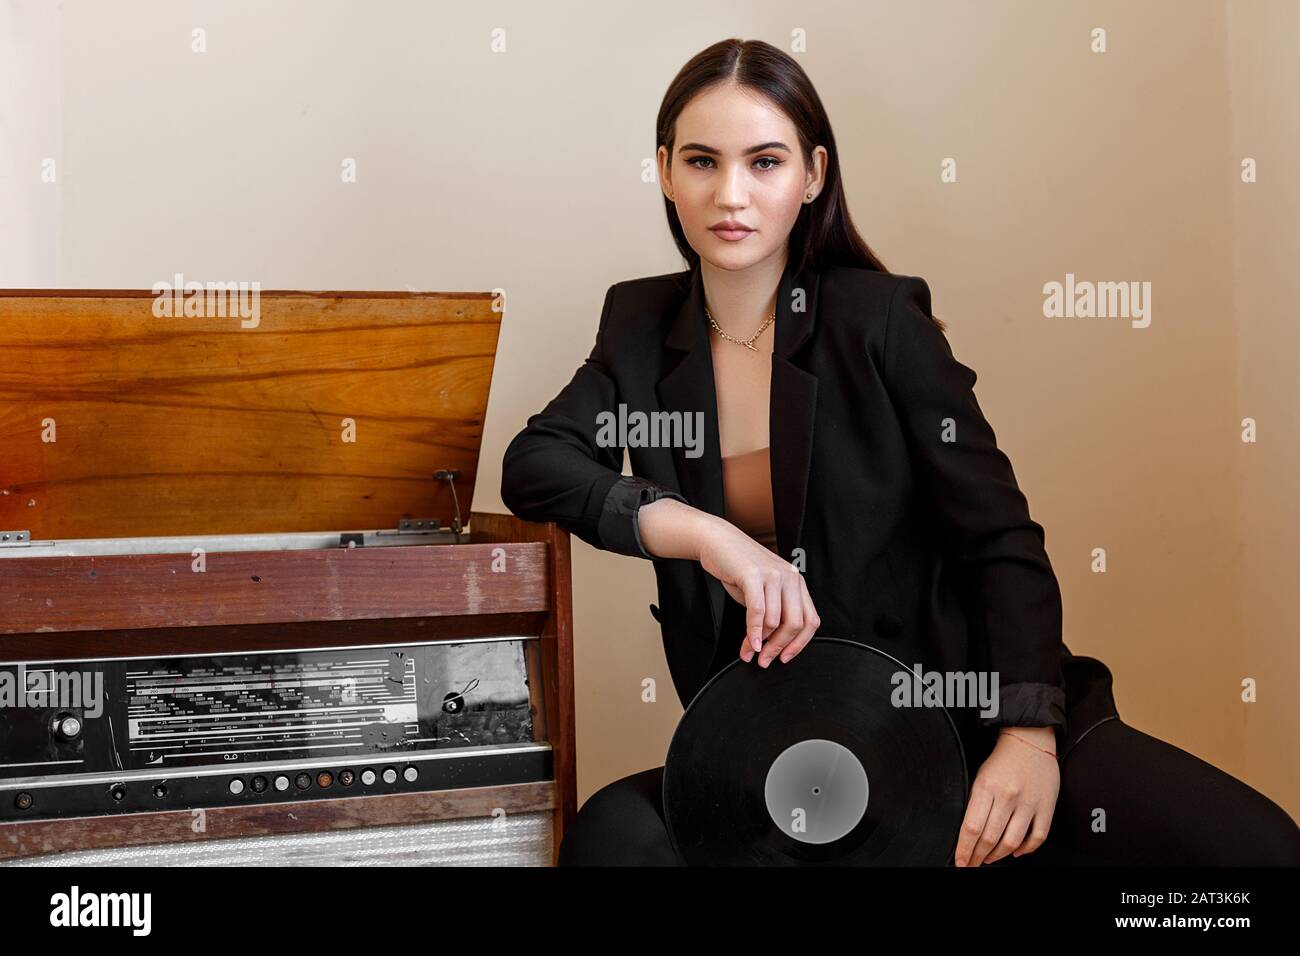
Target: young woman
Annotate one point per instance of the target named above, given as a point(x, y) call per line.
point(844, 481)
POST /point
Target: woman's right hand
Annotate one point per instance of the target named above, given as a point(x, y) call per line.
point(779, 614)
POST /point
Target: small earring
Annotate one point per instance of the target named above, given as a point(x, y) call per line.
point(808, 196)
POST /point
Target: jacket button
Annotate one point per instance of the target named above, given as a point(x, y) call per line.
point(654, 612)
point(887, 625)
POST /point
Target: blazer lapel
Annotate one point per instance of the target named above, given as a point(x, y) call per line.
point(689, 387)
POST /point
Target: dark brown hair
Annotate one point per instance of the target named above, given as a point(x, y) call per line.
point(823, 236)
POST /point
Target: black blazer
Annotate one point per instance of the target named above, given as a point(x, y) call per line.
point(889, 490)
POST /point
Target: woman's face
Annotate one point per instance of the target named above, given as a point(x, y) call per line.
point(736, 159)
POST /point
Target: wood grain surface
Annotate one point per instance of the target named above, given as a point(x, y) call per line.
point(196, 425)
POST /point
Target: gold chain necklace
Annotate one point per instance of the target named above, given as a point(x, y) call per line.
point(747, 343)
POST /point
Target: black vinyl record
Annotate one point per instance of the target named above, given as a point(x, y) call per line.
point(808, 763)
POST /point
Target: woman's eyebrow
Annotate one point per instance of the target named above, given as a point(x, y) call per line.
point(761, 147)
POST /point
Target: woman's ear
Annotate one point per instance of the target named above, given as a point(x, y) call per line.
point(665, 173)
point(816, 178)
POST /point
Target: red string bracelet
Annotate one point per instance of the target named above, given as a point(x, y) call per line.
point(1049, 753)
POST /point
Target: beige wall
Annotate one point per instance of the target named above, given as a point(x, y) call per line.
point(522, 170)
point(29, 136)
point(1264, 57)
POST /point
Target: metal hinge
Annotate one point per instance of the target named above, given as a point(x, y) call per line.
point(426, 525)
point(15, 539)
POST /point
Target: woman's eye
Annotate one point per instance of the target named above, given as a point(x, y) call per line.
point(769, 159)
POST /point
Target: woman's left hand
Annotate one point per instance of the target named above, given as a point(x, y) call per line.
point(1013, 798)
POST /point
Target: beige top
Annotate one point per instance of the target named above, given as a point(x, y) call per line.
point(747, 484)
point(743, 382)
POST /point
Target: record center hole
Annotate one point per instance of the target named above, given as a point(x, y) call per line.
point(817, 790)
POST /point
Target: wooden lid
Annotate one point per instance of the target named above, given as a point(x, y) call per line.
point(319, 411)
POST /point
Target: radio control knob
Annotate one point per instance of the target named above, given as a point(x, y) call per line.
point(390, 775)
point(67, 727)
point(367, 776)
point(236, 786)
point(282, 783)
point(411, 774)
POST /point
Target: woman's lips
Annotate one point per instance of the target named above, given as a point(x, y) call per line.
point(731, 235)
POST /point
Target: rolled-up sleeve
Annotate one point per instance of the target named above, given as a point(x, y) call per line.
point(969, 483)
point(556, 470)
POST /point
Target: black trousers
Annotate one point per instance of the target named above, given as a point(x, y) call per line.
point(1163, 806)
